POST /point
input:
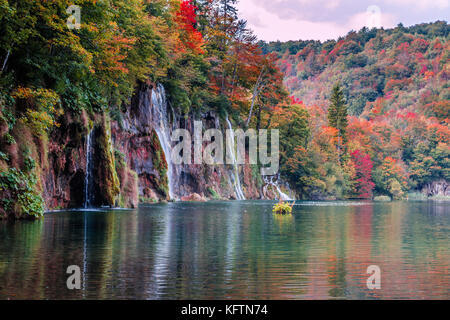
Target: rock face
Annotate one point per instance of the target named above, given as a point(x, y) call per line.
point(139, 136)
point(195, 197)
point(129, 159)
point(437, 188)
point(135, 139)
point(63, 177)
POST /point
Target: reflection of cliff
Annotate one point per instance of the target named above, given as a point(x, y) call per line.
point(98, 264)
point(230, 250)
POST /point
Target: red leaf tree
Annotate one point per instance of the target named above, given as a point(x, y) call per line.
point(186, 18)
point(363, 168)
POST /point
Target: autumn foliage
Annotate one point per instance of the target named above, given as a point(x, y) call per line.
point(363, 179)
point(186, 18)
point(366, 114)
point(395, 86)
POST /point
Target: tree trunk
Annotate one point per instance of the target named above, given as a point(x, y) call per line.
point(233, 79)
point(256, 91)
point(6, 60)
point(258, 119)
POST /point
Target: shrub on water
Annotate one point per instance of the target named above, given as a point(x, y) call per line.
point(283, 208)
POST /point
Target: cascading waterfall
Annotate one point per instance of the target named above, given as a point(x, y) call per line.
point(163, 130)
point(283, 196)
point(270, 181)
point(88, 178)
point(161, 123)
point(231, 150)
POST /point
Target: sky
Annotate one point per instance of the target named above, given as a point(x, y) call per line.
point(285, 20)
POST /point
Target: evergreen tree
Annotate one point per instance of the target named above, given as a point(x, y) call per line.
point(337, 117)
point(228, 13)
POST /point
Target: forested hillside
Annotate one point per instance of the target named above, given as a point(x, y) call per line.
point(104, 97)
point(395, 85)
point(57, 84)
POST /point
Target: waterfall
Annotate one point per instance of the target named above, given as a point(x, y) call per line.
point(270, 181)
point(283, 196)
point(163, 130)
point(231, 151)
point(89, 168)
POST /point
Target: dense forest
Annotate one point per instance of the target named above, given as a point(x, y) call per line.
point(367, 114)
point(385, 129)
point(203, 55)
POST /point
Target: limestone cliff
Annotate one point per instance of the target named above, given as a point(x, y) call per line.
point(119, 160)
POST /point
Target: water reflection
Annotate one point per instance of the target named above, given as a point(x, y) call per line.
point(231, 250)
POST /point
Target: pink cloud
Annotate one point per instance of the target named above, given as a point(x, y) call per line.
point(323, 20)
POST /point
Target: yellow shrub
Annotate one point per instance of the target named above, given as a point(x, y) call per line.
point(283, 208)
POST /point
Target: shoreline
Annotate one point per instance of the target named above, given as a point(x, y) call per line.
point(307, 203)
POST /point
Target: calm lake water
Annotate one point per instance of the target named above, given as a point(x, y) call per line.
point(232, 250)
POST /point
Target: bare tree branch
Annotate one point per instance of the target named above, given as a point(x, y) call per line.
point(256, 92)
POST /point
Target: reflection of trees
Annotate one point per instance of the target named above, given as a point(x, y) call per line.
point(19, 267)
point(35, 256)
point(424, 245)
point(359, 250)
point(230, 250)
point(328, 252)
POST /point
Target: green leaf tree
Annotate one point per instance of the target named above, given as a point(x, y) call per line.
point(337, 118)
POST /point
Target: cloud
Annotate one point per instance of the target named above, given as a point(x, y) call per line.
point(310, 10)
point(420, 5)
point(328, 19)
point(339, 10)
point(371, 20)
point(273, 26)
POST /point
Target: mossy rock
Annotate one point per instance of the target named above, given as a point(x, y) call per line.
point(214, 194)
point(106, 178)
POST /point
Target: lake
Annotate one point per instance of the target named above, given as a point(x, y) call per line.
point(231, 250)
